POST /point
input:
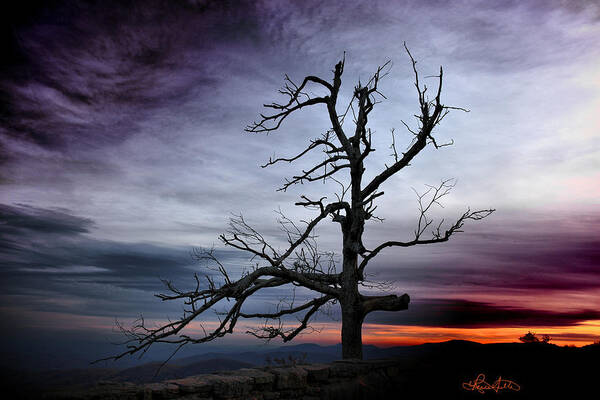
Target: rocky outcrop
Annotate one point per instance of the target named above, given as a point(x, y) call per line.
point(347, 380)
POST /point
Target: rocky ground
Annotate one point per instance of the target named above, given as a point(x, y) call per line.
point(450, 370)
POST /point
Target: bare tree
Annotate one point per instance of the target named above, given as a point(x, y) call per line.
point(301, 263)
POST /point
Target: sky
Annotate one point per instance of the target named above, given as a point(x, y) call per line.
point(122, 148)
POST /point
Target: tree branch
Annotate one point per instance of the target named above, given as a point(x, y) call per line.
point(384, 303)
point(293, 92)
point(431, 114)
point(270, 332)
point(437, 236)
point(319, 301)
point(324, 141)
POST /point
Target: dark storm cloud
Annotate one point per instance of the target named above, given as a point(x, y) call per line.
point(561, 253)
point(470, 314)
point(81, 73)
point(89, 75)
point(50, 263)
point(26, 218)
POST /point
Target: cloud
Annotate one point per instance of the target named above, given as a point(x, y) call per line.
point(89, 72)
point(130, 115)
point(49, 262)
point(524, 252)
point(470, 314)
point(51, 254)
point(27, 218)
point(114, 103)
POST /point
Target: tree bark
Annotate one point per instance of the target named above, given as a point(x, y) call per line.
point(350, 302)
point(352, 320)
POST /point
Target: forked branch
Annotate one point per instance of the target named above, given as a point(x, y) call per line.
point(431, 197)
point(269, 332)
point(431, 113)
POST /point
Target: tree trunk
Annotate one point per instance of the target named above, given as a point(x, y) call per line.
point(352, 320)
point(350, 302)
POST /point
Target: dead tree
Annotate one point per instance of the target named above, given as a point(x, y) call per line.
point(301, 263)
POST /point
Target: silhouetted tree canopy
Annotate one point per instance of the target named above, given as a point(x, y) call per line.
point(530, 337)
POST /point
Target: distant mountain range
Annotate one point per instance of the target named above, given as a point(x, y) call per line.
point(192, 365)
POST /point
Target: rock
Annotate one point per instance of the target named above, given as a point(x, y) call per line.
point(341, 380)
point(193, 396)
point(260, 377)
point(290, 377)
point(155, 391)
point(226, 387)
point(392, 371)
point(270, 396)
point(343, 370)
point(313, 391)
point(202, 384)
point(317, 372)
